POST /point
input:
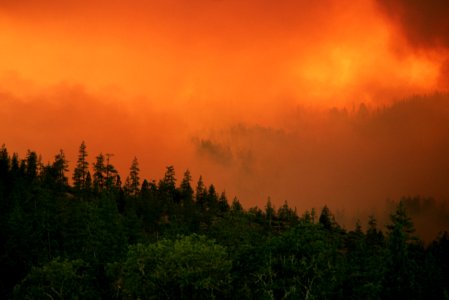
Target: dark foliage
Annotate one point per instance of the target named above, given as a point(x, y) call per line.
point(97, 238)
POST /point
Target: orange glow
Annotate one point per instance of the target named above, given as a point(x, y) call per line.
point(151, 78)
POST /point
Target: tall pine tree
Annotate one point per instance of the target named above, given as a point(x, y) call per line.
point(81, 169)
point(132, 185)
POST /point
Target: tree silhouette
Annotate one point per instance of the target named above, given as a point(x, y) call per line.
point(81, 169)
point(56, 241)
point(132, 184)
point(99, 173)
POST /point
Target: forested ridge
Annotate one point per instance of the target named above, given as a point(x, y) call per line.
point(98, 235)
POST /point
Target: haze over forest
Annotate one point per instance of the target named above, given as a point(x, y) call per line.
point(330, 102)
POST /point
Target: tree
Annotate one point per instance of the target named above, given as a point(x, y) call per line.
point(270, 212)
point(223, 205)
point(99, 173)
point(132, 184)
point(287, 216)
point(400, 276)
point(301, 263)
point(236, 207)
point(88, 183)
point(186, 190)
point(5, 162)
point(327, 219)
point(200, 193)
point(169, 180)
point(438, 267)
point(212, 199)
point(81, 169)
point(402, 223)
point(372, 263)
point(59, 279)
point(105, 175)
point(167, 186)
point(31, 165)
point(374, 238)
point(188, 267)
point(111, 172)
point(59, 168)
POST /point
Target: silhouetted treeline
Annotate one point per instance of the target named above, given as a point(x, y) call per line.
point(101, 237)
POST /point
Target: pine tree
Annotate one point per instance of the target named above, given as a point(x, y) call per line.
point(111, 172)
point(169, 180)
point(132, 184)
point(400, 277)
point(60, 167)
point(200, 193)
point(212, 199)
point(99, 173)
point(236, 206)
point(5, 162)
point(88, 184)
point(223, 205)
point(186, 190)
point(31, 165)
point(327, 219)
point(81, 169)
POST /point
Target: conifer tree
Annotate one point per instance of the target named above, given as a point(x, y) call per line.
point(31, 165)
point(88, 183)
point(327, 219)
point(269, 212)
point(223, 205)
point(400, 277)
point(60, 167)
point(212, 198)
point(5, 163)
point(200, 193)
point(236, 206)
point(169, 180)
point(99, 172)
point(186, 189)
point(81, 169)
point(111, 172)
point(132, 184)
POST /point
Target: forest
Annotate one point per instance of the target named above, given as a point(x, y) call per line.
point(93, 235)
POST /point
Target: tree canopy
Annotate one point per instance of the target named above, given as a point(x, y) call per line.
point(95, 237)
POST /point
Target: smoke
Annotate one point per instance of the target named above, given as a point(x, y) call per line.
point(425, 27)
point(240, 92)
point(60, 117)
point(352, 159)
point(236, 57)
point(424, 23)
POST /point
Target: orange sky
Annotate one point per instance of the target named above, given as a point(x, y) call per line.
point(154, 78)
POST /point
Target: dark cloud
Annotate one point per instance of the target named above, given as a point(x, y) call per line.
point(425, 24)
point(215, 151)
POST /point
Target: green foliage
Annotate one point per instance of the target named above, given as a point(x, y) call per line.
point(191, 267)
point(97, 239)
point(365, 263)
point(60, 167)
point(327, 219)
point(99, 173)
point(236, 206)
point(132, 184)
point(58, 279)
point(186, 190)
point(303, 263)
point(401, 269)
